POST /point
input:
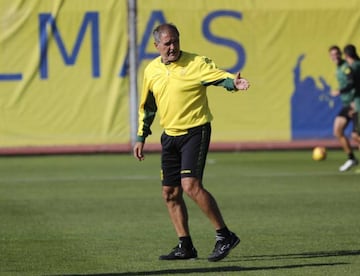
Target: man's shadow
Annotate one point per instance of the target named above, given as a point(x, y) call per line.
point(234, 268)
point(305, 255)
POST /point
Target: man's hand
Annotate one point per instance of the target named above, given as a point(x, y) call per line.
point(334, 93)
point(241, 83)
point(138, 151)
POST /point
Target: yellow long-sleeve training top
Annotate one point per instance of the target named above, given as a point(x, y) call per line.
point(177, 91)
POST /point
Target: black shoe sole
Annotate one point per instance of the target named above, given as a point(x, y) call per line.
point(176, 259)
point(173, 257)
point(167, 258)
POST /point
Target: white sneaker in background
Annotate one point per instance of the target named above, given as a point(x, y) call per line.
point(348, 165)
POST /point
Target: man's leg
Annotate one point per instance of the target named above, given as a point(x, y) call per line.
point(194, 149)
point(340, 124)
point(173, 196)
point(225, 239)
point(207, 203)
point(175, 204)
point(356, 130)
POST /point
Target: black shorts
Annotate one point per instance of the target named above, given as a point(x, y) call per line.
point(344, 112)
point(184, 155)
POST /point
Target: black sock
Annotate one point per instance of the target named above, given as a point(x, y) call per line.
point(186, 242)
point(223, 232)
point(351, 156)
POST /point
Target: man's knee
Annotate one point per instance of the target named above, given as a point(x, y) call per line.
point(170, 193)
point(191, 186)
point(339, 126)
point(338, 131)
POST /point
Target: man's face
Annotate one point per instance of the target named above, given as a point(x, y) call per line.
point(335, 56)
point(169, 46)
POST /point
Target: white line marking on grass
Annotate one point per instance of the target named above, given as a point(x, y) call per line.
point(279, 174)
point(77, 178)
point(286, 174)
point(35, 179)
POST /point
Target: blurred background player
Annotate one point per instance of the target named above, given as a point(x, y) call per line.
point(343, 74)
point(352, 58)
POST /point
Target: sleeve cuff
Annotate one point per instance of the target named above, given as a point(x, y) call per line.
point(229, 85)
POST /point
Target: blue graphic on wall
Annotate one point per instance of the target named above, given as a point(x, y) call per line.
point(313, 109)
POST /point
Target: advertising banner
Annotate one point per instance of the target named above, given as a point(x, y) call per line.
point(64, 66)
point(60, 68)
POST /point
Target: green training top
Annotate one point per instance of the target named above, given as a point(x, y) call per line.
point(178, 92)
point(344, 77)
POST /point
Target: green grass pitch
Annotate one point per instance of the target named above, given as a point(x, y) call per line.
point(104, 215)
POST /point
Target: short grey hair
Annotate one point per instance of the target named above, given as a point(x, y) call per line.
point(162, 28)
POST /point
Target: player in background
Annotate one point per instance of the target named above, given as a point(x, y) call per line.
point(352, 58)
point(345, 115)
point(174, 86)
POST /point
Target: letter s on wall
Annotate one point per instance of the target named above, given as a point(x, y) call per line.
point(239, 49)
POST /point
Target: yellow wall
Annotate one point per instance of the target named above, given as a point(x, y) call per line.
point(74, 101)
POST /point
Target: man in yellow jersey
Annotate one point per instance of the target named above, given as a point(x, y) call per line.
point(174, 85)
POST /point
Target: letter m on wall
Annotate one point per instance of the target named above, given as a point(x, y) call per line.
point(47, 22)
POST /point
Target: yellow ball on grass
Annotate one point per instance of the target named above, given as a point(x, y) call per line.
point(319, 153)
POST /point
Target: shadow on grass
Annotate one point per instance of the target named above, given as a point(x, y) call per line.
point(210, 270)
point(310, 255)
point(307, 255)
